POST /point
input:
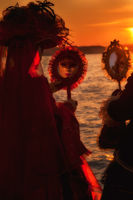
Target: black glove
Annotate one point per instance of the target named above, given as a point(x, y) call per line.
point(116, 92)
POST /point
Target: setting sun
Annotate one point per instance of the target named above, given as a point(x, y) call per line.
point(92, 22)
point(130, 29)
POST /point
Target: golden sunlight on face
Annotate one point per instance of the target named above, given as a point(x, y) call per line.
point(67, 68)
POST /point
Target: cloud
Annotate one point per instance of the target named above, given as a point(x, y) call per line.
point(104, 24)
point(87, 17)
point(123, 23)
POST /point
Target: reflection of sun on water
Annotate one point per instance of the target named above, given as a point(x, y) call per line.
point(109, 156)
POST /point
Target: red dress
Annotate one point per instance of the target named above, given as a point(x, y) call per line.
point(40, 147)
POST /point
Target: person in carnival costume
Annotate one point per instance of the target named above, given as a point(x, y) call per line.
point(68, 65)
point(117, 135)
point(34, 165)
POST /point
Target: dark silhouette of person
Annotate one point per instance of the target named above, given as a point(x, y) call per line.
point(117, 134)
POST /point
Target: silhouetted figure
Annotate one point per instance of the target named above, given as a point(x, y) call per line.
point(117, 134)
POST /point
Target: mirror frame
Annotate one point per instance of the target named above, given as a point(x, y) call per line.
point(79, 58)
point(121, 52)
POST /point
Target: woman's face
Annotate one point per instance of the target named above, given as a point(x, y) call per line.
point(67, 68)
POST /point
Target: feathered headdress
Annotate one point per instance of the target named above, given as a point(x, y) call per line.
point(36, 21)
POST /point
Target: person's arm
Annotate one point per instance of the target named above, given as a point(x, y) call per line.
point(70, 132)
point(112, 130)
point(109, 137)
point(121, 109)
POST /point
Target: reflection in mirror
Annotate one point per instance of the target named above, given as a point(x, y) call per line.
point(67, 68)
point(116, 61)
point(113, 59)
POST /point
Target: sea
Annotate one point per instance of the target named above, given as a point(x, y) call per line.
point(95, 88)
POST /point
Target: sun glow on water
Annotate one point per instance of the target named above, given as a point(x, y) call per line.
point(109, 156)
point(95, 89)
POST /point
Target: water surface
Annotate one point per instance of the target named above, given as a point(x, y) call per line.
point(90, 94)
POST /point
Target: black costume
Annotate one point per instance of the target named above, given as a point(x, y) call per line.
point(119, 174)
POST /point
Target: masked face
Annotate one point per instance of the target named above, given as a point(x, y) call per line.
point(67, 68)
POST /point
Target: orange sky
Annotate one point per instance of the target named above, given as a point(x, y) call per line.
point(93, 22)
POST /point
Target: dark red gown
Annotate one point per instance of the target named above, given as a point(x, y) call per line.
point(40, 148)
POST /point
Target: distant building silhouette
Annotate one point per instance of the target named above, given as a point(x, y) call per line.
point(84, 49)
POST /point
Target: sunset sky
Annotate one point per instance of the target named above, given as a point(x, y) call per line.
point(93, 22)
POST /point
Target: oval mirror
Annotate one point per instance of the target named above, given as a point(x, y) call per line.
point(69, 66)
point(113, 59)
point(116, 61)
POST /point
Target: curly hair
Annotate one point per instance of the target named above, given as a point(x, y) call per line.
point(36, 21)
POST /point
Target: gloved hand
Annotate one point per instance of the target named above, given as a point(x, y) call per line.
point(57, 85)
point(72, 104)
point(116, 92)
